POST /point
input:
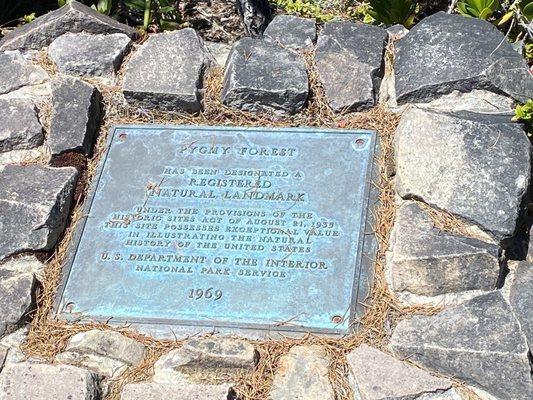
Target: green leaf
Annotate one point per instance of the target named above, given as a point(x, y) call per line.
point(485, 14)
point(462, 8)
point(472, 12)
point(389, 12)
point(477, 4)
point(135, 4)
point(167, 25)
point(29, 18)
point(167, 9)
point(527, 11)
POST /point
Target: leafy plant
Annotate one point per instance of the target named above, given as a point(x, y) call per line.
point(528, 52)
point(162, 13)
point(524, 113)
point(483, 9)
point(103, 6)
point(305, 8)
point(390, 12)
point(526, 8)
point(359, 12)
point(28, 18)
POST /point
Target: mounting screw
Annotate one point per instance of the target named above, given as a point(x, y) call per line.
point(123, 136)
point(359, 142)
point(336, 319)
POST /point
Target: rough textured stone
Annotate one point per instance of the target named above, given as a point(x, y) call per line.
point(17, 281)
point(447, 160)
point(107, 352)
point(19, 125)
point(3, 356)
point(207, 355)
point(27, 264)
point(167, 72)
point(521, 298)
point(480, 101)
point(294, 32)
point(109, 344)
point(89, 55)
point(451, 52)
point(74, 17)
point(107, 367)
point(26, 381)
point(375, 375)
point(397, 31)
point(427, 261)
point(262, 76)
point(302, 374)
point(34, 205)
point(529, 255)
point(16, 72)
point(176, 390)
point(219, 52)
point(76, 116)
point(479, 342)
point(39, 93)
point(12, 342)
point(349, 61)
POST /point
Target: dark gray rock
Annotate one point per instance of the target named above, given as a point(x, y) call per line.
point(262, 76)
point(167, 72)
point(478, 342)
point(294, 32)
point(16, 72)
point(446, 52)
point(521, 298)
point(76, 116)
point(386, 378)
point(479, 101)
point(34, 205)
point(427, 261)
point(19, 125)
point(17, 281)
point(219, 52)
point(349, 61)
point(73, 17)
point(476, 166)
point(26, 381)
point(84, 54)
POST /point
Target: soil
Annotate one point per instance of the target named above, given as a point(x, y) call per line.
point(216, 20)
point(79, 162)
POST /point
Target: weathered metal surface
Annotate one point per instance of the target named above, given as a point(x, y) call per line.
point(232, 228)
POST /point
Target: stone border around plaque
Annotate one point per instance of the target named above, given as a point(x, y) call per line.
point(361, 257)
